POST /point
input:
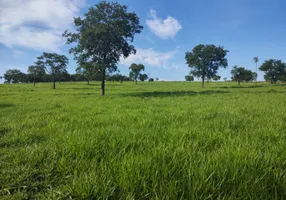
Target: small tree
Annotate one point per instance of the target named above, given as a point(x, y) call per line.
point(225, 79)
point(241, 74)
point(151, 80)
point(87, 70)
point(275, 70)
point(103, 36)
point(205, 60)
point(157, 79)
point(216, 78)
point(36, 70)
point(189, 78)
point(143, 77)
point(135, 71)
point(55, 64)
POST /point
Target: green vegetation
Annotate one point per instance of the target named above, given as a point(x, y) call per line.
point(159, 140)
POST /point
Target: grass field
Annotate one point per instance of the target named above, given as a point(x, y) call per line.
point(161, 140)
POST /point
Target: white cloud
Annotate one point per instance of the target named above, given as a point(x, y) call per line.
point(163, 28)
point(36, 24)
point(150, 57)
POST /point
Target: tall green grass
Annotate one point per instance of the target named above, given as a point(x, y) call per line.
point(161, 140)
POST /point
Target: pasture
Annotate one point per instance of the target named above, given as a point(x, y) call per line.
point(159, 140)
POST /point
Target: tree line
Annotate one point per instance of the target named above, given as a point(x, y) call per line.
point(205, 61)
point(105, 34)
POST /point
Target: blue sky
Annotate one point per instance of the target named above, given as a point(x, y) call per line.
point(247, 28)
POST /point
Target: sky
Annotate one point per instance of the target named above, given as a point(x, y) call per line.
point(247, 28)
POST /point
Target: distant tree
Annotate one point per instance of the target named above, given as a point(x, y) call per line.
point(143, 77)
point(15, 76)
point(216, 78)
point(189, 78)
point(205, 60)
point(55, 64)
point(240, 74)
point(254, 76)
point(225, 79)
point(151, 80)
point(135, 71)
point(256, 60)
point(275, 70)
point(87, 70)
point(103, 36)
point(157, 79)
point(36, 70)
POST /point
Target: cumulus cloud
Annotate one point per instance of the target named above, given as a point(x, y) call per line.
point(163, 28)
point(36, 24)
point(150, 57)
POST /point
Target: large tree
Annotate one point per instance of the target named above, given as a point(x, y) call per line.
point(205, 60)
point(54, 63)
point(135, 71)
point(103, 36)
point(240, 74)
point(275, 70)
point(36, 70)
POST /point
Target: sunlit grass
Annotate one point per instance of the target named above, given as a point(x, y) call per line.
point(161, 140)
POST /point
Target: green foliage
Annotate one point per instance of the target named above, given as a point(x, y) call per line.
point(103, 36)
point(275, 70)
point(117, 77)
point(189, 78)
point(216, 78)
point(135, 71)
point(54, 63)
point(240, 74)
point(256, 59)
point(205, 60)
point(219, 143)
point(151, 80)
point(36, 71)
point(143, 77)
point(14, 76)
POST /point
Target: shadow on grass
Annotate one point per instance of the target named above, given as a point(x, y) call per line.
point(6, 105)
point(174, 93)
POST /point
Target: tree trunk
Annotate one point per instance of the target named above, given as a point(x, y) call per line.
point(136, 81)
point(87, 82)
point(103, 83)
point(203, 82)
point(34, 80)
point(238, 83)
point(256, 74)
point(54, 82)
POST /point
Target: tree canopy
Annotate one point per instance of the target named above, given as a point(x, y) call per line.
point(240, 74)
point(135, 71)
point(189, 78)
point(35, 71)
point(54, 64)
point(14, 76)
point(275, 70)
point(103, 36)
point(205, 60)
point(143, 77)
